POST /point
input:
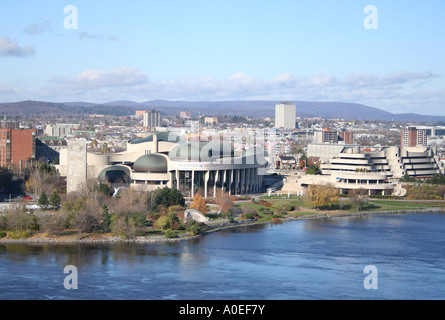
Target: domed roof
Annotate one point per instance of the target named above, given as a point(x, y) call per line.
point(201, 151)
point(255, 155)
point(255, 151)
point(151, 163)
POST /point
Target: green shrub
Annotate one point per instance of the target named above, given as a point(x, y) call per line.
point(123, 226)
point(2, 234)
point(16, 235)
point(169, 233)
point(248, 212)
point(283, 206)
point(265, 210)
point(193, 227)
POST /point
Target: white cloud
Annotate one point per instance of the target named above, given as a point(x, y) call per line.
point(38, 28)
point(94, 79)
point(13, 49)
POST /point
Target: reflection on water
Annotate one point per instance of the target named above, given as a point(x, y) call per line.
point(312, 259)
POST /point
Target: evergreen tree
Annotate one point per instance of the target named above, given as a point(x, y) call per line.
point(43, 200)
point(55, 200)
point(106, 219)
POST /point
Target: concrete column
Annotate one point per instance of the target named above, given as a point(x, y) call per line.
point(193, 184)
point(177, 179)
point(216, 180)
point(248, 180)
point(255, 180)
point(206, 180)
point(230, 181)
point(243, 180)
point(236, 180)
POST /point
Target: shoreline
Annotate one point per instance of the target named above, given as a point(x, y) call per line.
point(223, 227)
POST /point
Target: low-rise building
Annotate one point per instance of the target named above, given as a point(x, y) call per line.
point(166, 160)
point(376, 170)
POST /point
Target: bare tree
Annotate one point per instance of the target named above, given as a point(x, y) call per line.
point(224, 201)
point(88, 217)
point(17, 219)
point(359, 199)
point(52, 224)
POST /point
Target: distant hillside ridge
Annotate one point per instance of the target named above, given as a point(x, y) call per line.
point(255, 109)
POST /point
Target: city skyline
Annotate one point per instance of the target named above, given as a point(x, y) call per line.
point(281, 50)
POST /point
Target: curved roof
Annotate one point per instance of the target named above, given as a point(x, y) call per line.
point(115, 173)
point(201, 151)
point(162, 136)
point(151, 163)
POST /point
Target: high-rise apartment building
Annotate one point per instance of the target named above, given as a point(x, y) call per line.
point(285, 115)
point(60, 130)
point(412, 137)
point(326, 136)
point(17, 146)
point(152, 119)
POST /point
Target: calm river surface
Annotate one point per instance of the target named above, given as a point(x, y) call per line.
point(318, 259)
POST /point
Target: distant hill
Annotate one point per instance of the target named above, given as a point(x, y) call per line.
point(29, 108)
point(260, 108)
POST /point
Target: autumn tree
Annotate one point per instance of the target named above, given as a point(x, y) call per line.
point(323, 196)
point(199, 203)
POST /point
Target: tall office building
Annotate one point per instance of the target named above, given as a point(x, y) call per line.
point(17, 146)
point(285, 115)
point(412, 137)
point(152, 119)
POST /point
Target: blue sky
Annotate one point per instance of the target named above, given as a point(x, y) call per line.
point(226, 50)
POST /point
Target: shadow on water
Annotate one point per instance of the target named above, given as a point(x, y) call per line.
point(84, 254)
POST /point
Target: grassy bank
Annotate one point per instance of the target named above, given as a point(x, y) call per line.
point(265, 212)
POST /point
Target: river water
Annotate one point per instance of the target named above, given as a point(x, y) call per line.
point(311, 259)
